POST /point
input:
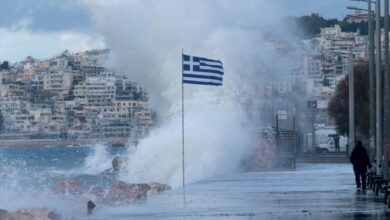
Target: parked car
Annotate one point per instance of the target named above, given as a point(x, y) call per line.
point(330, 146)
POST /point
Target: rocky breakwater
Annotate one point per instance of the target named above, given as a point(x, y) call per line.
point(116, 193)
point(29, 214)
point(68, 187)
point(122, 192)
point(90, 192)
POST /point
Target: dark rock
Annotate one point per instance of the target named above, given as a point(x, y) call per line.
point(54, 215)
point(96, 191)
point(90, 207)
point(157, 188)
point(94, 194)
point(116, 164)
point(68, 187)
point(122, 192)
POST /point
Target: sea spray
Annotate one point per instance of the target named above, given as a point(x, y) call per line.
point(211, 148)
point(26, 179)
point(146, 42)
point(98, 160)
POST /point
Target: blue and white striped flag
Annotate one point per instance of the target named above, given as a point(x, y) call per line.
point(203, 71)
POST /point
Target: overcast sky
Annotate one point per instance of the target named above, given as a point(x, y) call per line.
point(43, 28)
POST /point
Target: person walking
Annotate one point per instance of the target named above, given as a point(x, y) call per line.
point(337, 143)
point(360, 161)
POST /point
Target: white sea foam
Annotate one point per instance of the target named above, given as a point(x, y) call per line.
point(212, 147)
point(98, 161)
point(22, 186)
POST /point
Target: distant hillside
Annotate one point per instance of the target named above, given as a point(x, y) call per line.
point(310, 25)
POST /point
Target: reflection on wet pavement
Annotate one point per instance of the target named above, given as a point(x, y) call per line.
point(314, 191)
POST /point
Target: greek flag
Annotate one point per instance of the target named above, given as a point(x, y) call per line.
point(203, 71)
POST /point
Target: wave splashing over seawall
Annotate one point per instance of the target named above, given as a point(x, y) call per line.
point(219, 121)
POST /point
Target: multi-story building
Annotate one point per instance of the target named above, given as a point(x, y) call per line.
point(14, 104)
point(358, 17)
point(100, 91)
point(125, 88)
point(58, 82)
point(37, 83)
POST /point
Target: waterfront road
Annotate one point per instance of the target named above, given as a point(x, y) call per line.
point(313, 191)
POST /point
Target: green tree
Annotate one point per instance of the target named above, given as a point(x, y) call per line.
point(310, 25)
point(4, 66)
point(338, 107)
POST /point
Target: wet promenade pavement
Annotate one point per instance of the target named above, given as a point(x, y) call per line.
point(314, 191)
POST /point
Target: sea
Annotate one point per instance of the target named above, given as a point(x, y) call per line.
point(29, 174)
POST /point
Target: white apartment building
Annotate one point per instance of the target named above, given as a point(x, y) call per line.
point(42, 115)
point(107, 122)
point(100, 91)
point(91, 58)
point(106, 114)
point(18, 122)
point(80, 91)
point(14, 104)
point(358, 17)
point(125, 105)
point(28, 72)
point(37, 81)
point(58, 82)
point(11, 90)
point(60, 63)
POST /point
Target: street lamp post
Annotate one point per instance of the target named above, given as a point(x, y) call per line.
point(378, 88)
point(380, 126)
point(371, 63)
point(351, 106)
point(386, 102)
point(371, 74)
point(351, 97)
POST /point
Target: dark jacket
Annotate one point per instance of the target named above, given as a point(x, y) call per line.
point(359, 159)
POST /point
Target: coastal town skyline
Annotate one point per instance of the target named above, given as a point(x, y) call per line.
point(24, 24)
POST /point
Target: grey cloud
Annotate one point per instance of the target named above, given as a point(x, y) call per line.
point(45, 15)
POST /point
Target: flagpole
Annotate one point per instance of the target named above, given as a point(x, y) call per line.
point(182, 131)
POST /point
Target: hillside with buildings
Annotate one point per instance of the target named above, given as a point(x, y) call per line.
point(316, 67)
point(311, 25)
point(71, 97)
point(74, 97)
